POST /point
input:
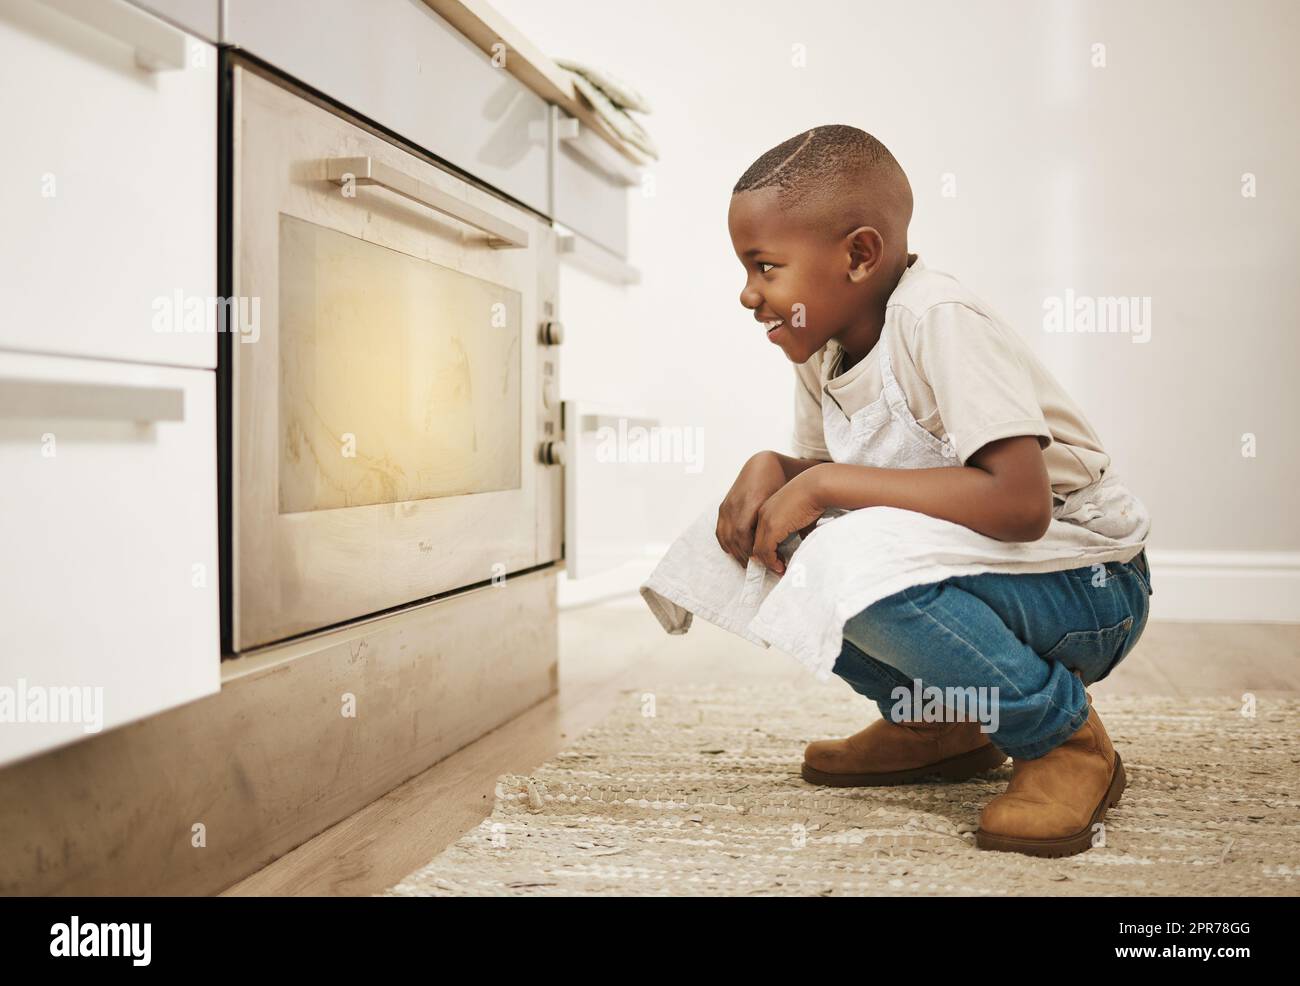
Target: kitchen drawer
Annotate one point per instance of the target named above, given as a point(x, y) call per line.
point(591, 185)
point(109, 528)
point(110, 186)
point(426, 82)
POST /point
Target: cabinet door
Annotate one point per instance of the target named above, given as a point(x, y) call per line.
point(108, 592)
point(591, 186)
point(109, 194)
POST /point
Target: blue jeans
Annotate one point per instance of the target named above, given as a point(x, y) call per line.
point(1023, 634)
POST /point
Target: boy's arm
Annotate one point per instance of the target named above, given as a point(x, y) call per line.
point(1003, 491)
point(792, 467)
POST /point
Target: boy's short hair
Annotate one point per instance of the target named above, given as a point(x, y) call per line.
point(831, 165)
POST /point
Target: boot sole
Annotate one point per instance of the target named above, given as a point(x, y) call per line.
point(957, 768)
point(1066, 845)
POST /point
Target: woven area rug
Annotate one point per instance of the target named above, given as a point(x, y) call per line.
point(697, 792)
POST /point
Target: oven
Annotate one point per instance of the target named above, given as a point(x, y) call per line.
point(393, 426)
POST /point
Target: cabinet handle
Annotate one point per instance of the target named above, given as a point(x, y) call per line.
point(368, 171)
point(21, 398)
point(159, 47)
point(567, 127)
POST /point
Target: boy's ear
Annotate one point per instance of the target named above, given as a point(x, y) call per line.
point(866, 250)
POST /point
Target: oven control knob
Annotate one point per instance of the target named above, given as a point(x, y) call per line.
point(552, 332)
point(552, 453)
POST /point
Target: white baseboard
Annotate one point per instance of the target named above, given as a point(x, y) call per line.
point(1204, 586)
point(1225, 586)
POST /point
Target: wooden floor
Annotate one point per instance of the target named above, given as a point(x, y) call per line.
point(611, 650)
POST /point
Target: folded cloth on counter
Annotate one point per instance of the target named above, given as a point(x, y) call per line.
point(620, 93)
point(640, 157)
point(590, 83)
point(854, 558)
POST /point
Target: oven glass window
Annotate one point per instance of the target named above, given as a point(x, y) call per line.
point(399, 378)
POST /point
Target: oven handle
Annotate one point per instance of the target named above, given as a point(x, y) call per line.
point(368, 171)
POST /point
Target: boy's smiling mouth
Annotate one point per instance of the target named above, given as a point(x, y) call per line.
point(772, 324)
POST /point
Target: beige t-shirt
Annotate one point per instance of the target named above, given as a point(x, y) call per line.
point(964, 372)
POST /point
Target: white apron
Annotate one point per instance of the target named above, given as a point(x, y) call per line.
point(854, 558)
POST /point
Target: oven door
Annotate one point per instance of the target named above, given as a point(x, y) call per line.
point(384, 340)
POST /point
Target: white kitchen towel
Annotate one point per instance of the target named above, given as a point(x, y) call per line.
point(620, 121)
point(620, 92)
point(855, 558)
point(697, 576)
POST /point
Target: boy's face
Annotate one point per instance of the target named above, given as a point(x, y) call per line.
point(817, 286)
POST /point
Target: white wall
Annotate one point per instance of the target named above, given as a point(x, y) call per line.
point(1122, 180)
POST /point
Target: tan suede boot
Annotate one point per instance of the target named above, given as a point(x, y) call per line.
point(895, 753)
point(1052, 802)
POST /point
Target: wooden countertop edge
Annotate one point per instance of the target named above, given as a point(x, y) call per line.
point(484, 26)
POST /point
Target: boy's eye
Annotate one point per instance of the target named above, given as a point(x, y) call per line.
point(762, 264)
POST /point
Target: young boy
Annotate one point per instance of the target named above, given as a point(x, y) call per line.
point(910, 393)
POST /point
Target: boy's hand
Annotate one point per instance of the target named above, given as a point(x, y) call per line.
point(758, 479)
point(794, 507)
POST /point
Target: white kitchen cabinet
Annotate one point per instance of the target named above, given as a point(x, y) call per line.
point(108, 522)
point(591, 185)
point(109, 191)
